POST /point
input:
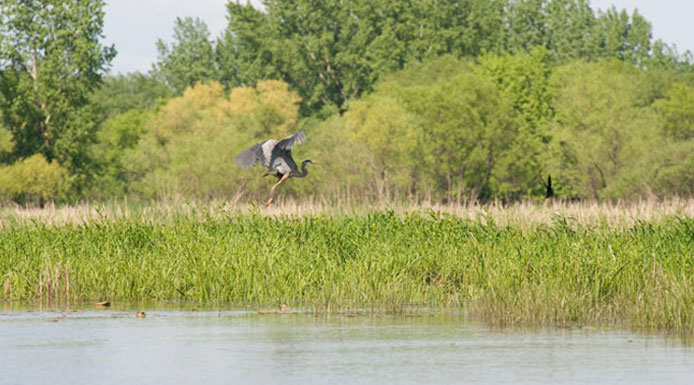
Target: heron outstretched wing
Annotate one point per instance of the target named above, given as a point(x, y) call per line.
point(288, 142)
point(251, 156)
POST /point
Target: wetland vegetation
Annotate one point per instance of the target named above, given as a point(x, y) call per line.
point(555, 264)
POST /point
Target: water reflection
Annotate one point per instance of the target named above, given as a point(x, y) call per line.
point(198, 345)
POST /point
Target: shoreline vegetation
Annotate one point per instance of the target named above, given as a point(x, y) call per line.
point(550, 263)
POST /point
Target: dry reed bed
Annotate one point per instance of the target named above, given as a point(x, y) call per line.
point(614, 215)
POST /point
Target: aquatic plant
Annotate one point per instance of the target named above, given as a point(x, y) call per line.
point(563, 271)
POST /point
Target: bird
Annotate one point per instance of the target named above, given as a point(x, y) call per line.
point(548, 187)
point(276, 156)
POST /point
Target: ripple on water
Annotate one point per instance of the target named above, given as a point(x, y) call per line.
point(112, 346)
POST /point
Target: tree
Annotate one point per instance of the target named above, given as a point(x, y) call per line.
point(134, 91)
point(32, 181)
point(523, 80)
point(676, 111)
point(665, 56)
point(189, 144)
point(52, 59)
point(6, 143)
point(527, 25)
point(443, 136)
point(465, 128)
point(244, 52)
point(383, 126)
point(189, 59)
point(569, 26)
point(332, 51)
point(117, 135)
point(619, 36)
point(606, 138)
point(673, 175)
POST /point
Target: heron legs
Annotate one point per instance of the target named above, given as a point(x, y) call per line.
point(272, 190)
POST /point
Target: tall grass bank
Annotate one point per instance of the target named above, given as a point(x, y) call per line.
point(561, 272)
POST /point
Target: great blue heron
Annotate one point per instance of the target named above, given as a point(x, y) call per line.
point(276, 156)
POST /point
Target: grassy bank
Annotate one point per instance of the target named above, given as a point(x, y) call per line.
point(558, 271)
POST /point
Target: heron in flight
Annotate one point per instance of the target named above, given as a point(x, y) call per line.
point(276, 156)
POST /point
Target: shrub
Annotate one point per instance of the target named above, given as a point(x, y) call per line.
point(32, 181)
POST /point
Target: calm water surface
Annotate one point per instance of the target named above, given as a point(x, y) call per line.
point(243, 347)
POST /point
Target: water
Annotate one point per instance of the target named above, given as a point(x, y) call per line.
point(215, 347)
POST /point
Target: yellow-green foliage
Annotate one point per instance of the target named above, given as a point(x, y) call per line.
point(270, 104)
point(6, 142)
point(443, 137)
point(32, 180)
point(605, 135)
point(446, 129)
point(344, 170)
point(386, 130)
point(190, 143)
point(523, 80)
point(118, 134)
point(677, 111)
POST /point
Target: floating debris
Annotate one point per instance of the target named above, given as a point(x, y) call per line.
point(103, 304)
point(284, 309)
point(349, 314)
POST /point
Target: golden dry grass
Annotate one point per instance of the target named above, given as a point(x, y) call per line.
point(527, 214)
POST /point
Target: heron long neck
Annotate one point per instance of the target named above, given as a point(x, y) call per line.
point(303, 172)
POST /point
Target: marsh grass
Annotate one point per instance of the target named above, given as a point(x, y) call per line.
point(558, 264)
point(528, 214)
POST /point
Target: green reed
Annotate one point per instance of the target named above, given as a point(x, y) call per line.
point(557, 273)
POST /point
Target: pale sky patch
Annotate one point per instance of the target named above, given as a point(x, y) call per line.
point(135, 25)
point(670, 19)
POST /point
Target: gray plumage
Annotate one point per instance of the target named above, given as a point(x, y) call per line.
point(276, 156)
point(272, 154)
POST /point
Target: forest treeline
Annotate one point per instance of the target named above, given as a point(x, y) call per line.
point(442, 100)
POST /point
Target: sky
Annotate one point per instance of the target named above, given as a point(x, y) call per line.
point(135, 25)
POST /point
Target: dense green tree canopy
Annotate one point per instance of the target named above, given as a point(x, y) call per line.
point(606, 137)
point(332, 51)
point(133, 91)
point(189, 59)
point(52, 58)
